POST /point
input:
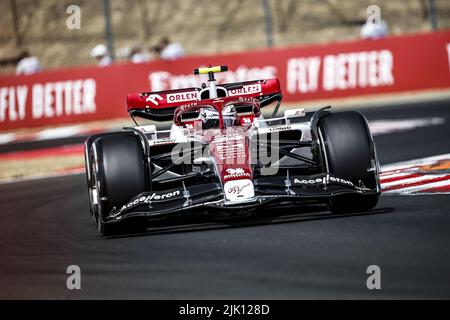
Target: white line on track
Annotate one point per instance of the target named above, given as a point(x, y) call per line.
point(43, 176)
point(414, 163)
point(378, 127)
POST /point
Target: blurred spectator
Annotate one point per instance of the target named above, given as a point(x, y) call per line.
point(100, 53)
point(156, 52)
point(123, 53)
point(371, 30)
point(170, 50)
point(27, 64)
point(137, 55)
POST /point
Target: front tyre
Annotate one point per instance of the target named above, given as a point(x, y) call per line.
point(92, 197)
point(118, 174)
point(349, 153)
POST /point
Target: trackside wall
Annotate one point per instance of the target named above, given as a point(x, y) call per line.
point(356, 68)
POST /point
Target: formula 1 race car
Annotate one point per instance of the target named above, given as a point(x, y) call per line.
point(221, 155)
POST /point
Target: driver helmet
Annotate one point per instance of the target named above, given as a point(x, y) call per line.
point(229, 115)
point(210, 117)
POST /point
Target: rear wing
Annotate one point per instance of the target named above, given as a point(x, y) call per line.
point(160, 106)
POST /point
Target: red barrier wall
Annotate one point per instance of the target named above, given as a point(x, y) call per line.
point(394, 64)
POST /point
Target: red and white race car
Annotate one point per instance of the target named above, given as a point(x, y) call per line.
point(222, 154)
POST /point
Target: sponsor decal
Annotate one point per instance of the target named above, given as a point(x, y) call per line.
point(246, 99)
point(352, 70)
point(187, 106)
point(236, 173)
point(237, 190)
point(153, 197)
point(246, 120)
point(229, 149)
point(153, 98)
point(182, 96)
point(280, 128)
point(48, 100)
point(323, 180)
point(295, 113)
point(230, 137)
point(448, 54)
point(247, 89)
point(151, 128)
point(163, 141)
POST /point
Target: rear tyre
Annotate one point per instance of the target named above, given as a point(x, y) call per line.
point(350, 154)
point(118, 174)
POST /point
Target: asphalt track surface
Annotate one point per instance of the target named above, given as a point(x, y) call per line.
point(306, 253)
